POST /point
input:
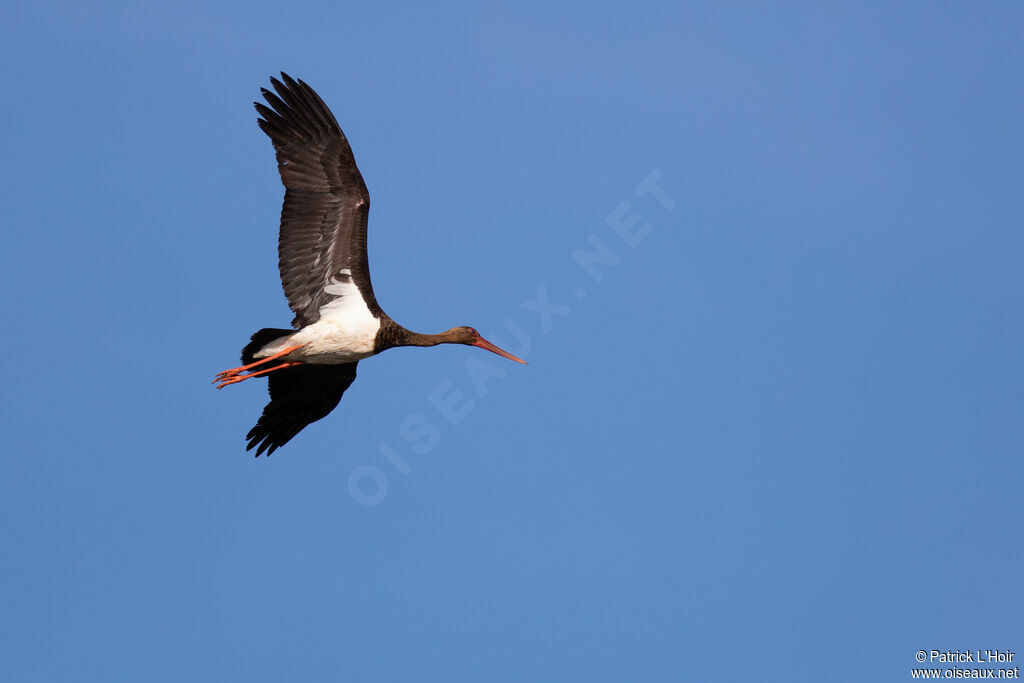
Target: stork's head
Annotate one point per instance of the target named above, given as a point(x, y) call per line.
point(470, 337)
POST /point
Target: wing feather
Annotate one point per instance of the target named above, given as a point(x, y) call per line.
point(326, 204)
point(299, 396)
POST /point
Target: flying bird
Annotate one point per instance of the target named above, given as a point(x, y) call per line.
point(324, 270)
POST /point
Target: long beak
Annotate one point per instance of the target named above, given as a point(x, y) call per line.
point(484, 344)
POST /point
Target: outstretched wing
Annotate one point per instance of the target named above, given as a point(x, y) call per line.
point(299, 396)
point(326, 204)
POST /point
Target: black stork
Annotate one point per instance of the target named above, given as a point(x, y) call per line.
point(322, 258)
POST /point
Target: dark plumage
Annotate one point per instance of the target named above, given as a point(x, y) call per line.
point(326, 204)
point(324, 271)
point(298, 396)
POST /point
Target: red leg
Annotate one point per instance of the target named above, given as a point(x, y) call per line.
point(234, 371)
point(238, 378)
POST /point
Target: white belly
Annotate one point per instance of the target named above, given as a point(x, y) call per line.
point(344, 333)
point(329, 342)
point(325, 342)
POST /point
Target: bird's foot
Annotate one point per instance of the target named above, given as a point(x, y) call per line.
point(237, 377)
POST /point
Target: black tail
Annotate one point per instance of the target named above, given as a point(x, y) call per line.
point(261, 339)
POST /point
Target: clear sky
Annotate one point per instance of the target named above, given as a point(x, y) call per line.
point(764, 261)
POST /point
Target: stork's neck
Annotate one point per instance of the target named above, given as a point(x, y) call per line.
point(417, 339)
point(391, 334)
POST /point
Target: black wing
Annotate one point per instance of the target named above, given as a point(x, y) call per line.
point(326, 205)
point(299, 396)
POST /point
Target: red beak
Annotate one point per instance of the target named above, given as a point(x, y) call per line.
point(484, 344)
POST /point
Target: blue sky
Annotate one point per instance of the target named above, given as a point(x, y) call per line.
point(779, 439)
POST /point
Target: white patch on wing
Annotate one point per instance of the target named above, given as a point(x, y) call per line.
point(344, 333)
point(347, 307)
point(346, 328)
